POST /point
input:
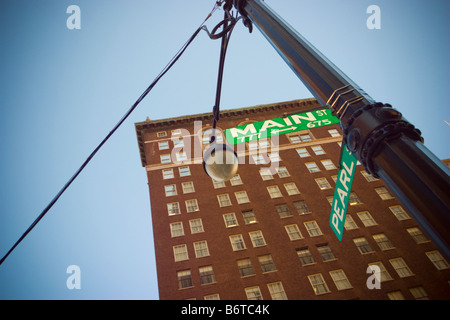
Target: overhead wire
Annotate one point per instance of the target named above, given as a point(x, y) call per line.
point(121, 121)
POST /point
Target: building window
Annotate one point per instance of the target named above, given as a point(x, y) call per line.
point(264, 144)
point(230, 220)
point(173, 208)
point(253, 293)
point(258, 159)
point(325, 252)
point(260, 144)
point(266, 263)
point(249, 216)
point(167, 174)
point(350, 224)
point(419, 293)
point(184, 171)
point(176, 229)
point(165, 158)
point(302, 137)
point(176, 132)
point(171, 190)
point(293, 232)
point(396, 295)
point(236, 180)
point(303, 152)
point(399, 213)
point(295, 139)
point(196, 226)
point(366, 219)
point(368, 176)
point(192, 206)
point(277, 291)
point(318, 150)
point(201, 249)
point(266, 174)
point(241, 197)
point(206, 136)
point(274, 192)
point(312, 167)
point(206, 275)
point(401, 267)
point(383, 193)
point(383, 242)
point(302, 207)
point(218, 184)
point(313, 228)
point(291, 188)
point(305, 256)
point(184, 279)
point(417, 235)
point(340, 279)
point(163, 145)
point(178, 143)
point(245, 267)
point(214, 296)
point(188, 187)
point(306, 137)
point(384, 274)
point(283, 210)
point(318, 284)
point(353, 199)
point(237, 242)
point(437, 259)
point(257, 239)
point(328, 164)
point(180, 252)
point(161, 134)
point(274, 157)
point(181, 156)
point(283, 172)
point(334, 133)
point(323, 183)
point(224, 200)
point(363, 245)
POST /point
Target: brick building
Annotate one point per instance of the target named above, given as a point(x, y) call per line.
point(265, 234)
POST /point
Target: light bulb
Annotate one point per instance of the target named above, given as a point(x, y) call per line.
point(220, 162)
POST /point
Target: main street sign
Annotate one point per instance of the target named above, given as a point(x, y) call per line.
point(342, 192)
point(278, 126)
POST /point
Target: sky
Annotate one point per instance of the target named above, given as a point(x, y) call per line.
point(62, 90)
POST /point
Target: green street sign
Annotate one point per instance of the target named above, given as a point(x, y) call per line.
point(278, 126)
point(342, 192)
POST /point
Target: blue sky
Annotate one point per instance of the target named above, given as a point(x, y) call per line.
point(62, 91)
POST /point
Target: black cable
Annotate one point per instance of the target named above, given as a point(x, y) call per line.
point(228, 23)
point(150, 87)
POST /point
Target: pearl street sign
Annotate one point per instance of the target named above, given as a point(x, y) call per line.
point(342, 192)
point(278, 126)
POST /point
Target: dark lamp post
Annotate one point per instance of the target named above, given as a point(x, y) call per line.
point(388, 146)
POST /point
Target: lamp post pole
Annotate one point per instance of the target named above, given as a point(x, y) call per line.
point(387, 145)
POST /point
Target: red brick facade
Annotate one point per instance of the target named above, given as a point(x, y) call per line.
point(265, 236)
